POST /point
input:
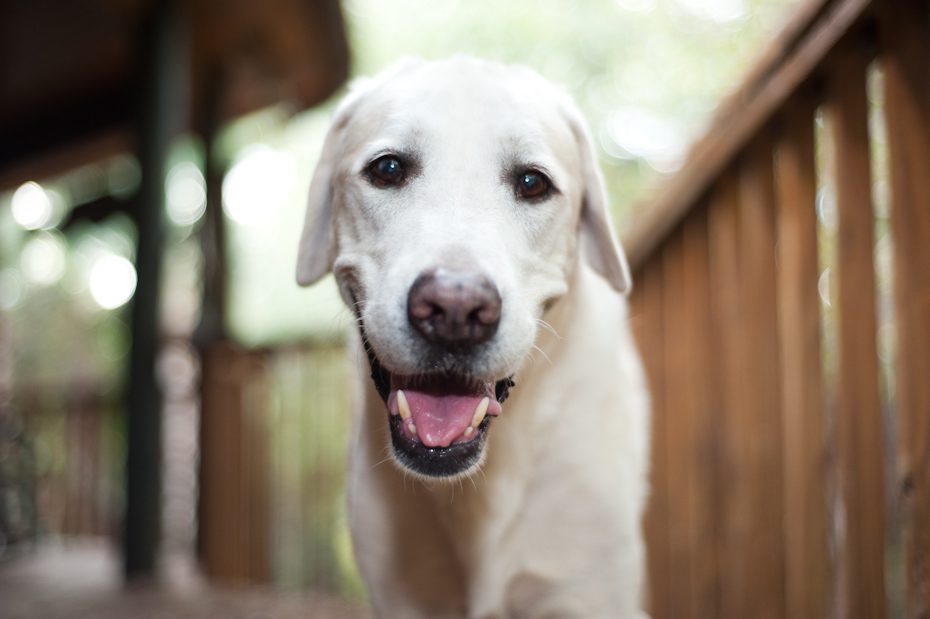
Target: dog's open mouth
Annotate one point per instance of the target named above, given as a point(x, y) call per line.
point(439, 411)
point(438, 422)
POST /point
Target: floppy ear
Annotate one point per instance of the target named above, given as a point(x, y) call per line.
point(317, 250)
point(599, 245)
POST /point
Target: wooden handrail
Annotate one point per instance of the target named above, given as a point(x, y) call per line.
point(792, 59)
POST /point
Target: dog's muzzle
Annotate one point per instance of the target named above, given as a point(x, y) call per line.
point(439, 420)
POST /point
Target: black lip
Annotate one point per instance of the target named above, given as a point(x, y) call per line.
point(437, 461)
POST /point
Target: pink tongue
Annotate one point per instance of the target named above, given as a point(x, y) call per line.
point(440, 419)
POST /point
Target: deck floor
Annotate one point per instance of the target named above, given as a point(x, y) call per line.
point(82, 581)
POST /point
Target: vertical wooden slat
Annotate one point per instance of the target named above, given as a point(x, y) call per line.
point(726, 330)
point(859, 424)
point(807, 569)
point(699, 387)
point(692, 434)
point(906, 64)
point(678, 360)
point(763, 425)
point(646, 316)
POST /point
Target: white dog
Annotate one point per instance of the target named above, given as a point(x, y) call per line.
point(461, 209)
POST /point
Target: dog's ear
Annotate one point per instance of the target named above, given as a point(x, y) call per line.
point(599, 245)
point(317, 250)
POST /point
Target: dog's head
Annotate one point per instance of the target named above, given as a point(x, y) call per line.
point(452, 201)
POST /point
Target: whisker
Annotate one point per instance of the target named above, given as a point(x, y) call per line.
point(542, 352)
point(545, 325)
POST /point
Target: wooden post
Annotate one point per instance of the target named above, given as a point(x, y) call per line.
point(161, 113)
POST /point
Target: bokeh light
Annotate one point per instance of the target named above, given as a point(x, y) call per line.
point(635, 132)
point(721, 11)
point(32, 206)
point(43, 259)
point(258, 184)
point(112, 281)
point(186, 193)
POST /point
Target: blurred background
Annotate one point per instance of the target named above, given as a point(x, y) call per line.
point(172, 405)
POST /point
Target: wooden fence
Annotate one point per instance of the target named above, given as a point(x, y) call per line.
point(791, 463)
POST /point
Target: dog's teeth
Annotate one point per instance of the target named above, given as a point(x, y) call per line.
point(480, 411)
point(402, 406)
point(413, 428)
point(468, 431)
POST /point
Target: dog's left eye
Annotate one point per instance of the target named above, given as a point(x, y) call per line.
point(533, 185)
point(386, 171)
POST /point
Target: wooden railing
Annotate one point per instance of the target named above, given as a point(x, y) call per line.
point(791, 462)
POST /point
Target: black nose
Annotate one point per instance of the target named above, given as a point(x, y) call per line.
point(454, 307)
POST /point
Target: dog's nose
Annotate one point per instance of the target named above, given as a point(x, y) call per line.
point(454, 307)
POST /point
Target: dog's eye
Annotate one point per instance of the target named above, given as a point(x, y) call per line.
point(533, 185)
point(386, 171)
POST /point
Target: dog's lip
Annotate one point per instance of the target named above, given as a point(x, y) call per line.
point(437, 462)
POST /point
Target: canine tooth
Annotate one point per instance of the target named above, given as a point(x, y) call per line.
point(468, 431)
point(412, 427)
point(402, 406)
point(480, 411)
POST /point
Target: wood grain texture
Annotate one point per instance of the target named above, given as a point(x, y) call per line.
point(859, 423)
point(905, 37)
point(807, 564)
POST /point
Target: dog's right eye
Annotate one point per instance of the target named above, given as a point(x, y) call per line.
point(386, 171)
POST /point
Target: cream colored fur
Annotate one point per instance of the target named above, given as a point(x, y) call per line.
point(550, 524)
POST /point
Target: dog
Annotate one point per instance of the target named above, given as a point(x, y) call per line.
point(460, 207)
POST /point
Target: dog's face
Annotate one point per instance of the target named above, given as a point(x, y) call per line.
point(449, 202)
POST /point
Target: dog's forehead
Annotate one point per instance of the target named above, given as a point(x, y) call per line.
point(512, 105)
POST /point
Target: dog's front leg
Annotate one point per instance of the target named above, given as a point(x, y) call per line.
point(402, 551)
